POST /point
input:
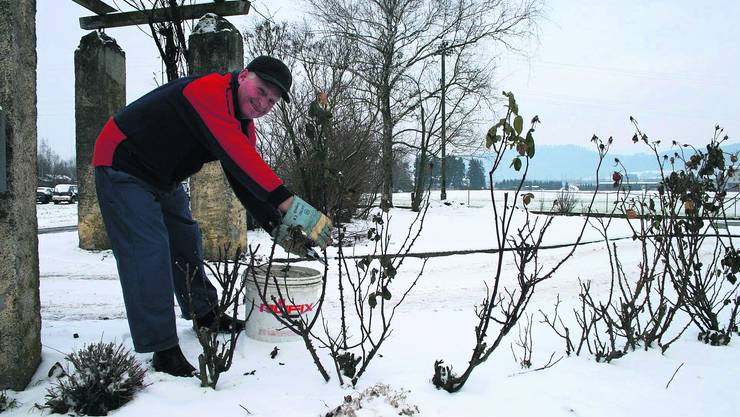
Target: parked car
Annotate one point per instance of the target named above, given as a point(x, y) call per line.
point(64, 193)
point(43, 195)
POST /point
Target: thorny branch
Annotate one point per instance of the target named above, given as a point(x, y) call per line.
point(218, 354)
point(502, 306)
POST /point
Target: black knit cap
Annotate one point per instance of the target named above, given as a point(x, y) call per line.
point(273, 71)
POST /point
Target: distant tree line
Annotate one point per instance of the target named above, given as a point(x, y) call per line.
point(512, 184)
point(53, 169)
point(459, 177)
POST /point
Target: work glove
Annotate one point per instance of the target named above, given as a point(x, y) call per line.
point(302, 227)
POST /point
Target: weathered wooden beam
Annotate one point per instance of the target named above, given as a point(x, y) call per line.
point(187, 12)
point(95, 6)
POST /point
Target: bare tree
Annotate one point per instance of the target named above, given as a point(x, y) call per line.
point(325, 135)
point(393, 38)
point(51, 168)
point(169, 37)
point(468, 87)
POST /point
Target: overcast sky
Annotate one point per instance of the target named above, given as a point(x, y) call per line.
point(673, 64)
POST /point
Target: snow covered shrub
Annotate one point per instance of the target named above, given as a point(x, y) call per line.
point(703, 261)
point(105, 377)
point(379, 399)
point(638, 310)
point(524, 344)
point(502, 307)
point(6, 403)
point(687, 263)
point(565, 202)
point(683, 229)
point(714, 338)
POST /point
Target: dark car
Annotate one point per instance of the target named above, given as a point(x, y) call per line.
point(43, 195)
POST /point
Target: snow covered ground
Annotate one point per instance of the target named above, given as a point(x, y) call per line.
point(56, 215)
point(80, 294)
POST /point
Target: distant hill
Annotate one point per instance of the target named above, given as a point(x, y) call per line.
point(576, 163)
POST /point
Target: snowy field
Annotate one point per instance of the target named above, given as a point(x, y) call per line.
point(80, 295)
point(56, 215)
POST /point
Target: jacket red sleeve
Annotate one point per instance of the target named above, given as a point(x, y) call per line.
point(223, 136)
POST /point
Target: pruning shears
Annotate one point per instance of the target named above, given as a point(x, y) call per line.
point(313, 255)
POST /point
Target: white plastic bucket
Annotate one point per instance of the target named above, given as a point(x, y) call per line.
point(300, 288)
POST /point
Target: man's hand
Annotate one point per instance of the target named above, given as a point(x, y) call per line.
point(302, 226)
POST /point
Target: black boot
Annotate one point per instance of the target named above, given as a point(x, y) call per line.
point(173, 362)
point(225, 323)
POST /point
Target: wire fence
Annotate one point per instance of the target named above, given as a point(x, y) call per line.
point(549, 200)
point(546, 201)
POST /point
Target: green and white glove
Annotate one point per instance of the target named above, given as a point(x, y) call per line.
point(302, 226)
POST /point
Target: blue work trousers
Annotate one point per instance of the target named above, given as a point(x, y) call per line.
point(157, 246)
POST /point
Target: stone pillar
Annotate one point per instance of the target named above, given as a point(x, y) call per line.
point(100, 91)
point(216, 46)
point(20, 318)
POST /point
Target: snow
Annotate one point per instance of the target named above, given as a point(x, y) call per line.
point(210, 23)
point(106, 39)
point(56, 215)
point(80, 294)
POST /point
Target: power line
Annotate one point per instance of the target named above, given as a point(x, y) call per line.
point(655, 75)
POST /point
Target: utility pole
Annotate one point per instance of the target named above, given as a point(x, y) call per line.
point(443, 187)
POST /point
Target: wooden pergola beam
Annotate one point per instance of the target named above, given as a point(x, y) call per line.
point(95, 6)
point(187, 12)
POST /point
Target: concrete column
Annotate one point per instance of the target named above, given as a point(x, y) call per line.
point(216, 46)
point(20, 318)
point(100, 91)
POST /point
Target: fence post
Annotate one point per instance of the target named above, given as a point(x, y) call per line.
point(100, 91)
point(20, 305)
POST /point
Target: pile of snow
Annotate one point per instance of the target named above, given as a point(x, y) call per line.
point(380, 399)
point(211, 23)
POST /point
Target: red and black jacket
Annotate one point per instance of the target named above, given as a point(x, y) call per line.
point(167, 135)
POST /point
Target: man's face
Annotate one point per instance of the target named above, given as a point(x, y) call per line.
point(256, 96)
